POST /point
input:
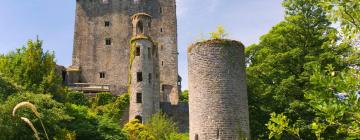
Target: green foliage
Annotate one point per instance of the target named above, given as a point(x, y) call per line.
point(184, 97)
point(6, 89)
point(104, 98)
point(178, 136)
point(115, 110)
point(52, 114)
point(32, 69)
point(136, 131)
point(160, 126)
point(219, 34)
point(281, 74)
point(77, 98)
point(65, 135)
point(278, 125)
point(88, 125)
point(347, 13)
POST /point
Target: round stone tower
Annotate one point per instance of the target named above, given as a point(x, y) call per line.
point(143, 68)
point(218, 96)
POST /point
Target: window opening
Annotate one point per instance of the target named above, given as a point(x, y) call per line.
point(139, 77)
point(150, 77)
point(140, 27)
point(137, 51)
point(107, 23)
point(102, 75)
point(138, 97)
point(138, 117)
point(108, 41)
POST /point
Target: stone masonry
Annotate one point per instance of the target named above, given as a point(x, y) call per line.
point(218, 103)
point(144, 91)
point(103, 30)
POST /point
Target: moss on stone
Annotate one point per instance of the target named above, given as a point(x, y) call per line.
point(132, 55)
point(215, 42)
point(226, 45)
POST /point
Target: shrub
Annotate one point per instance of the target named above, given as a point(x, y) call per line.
point(104, 98)
point(161, 126)
point(77, 98)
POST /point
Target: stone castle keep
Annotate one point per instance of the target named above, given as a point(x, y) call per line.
point(103, 30)
point(130, 46)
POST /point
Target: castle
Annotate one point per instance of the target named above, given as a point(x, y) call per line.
point(103, 30)
point(130, 46)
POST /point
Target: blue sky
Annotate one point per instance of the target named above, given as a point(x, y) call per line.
point(53, 21)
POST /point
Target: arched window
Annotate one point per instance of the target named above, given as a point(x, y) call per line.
point(138, 117)
point(140, 27)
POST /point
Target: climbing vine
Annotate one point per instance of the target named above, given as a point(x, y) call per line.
point(132, 55)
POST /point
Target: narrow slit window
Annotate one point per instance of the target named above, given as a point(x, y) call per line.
point(162, 63)
point(149, 53)
point(137, 51)
point(139, 77)
point(138, 97)
point(161, 29)
point(196, 137)
point(150, 78)
point(108, 41)
point(217, 134)
point(140, 27)
point(161, 10)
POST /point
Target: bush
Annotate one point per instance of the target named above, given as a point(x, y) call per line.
point(77, 98)
point(104, 98)
point(161, 126)
point(136, 131)
point(6, 89)
point(116, 109)
point(88, 125)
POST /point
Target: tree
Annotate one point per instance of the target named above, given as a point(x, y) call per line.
point(280, 67)
point(184, 97)
point(32, 69)
point(6, 89)
point(347, 13)
point(334, 99)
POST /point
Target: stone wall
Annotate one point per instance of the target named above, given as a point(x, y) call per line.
point(217, 91)
point(92, 56)
point(178, 113)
